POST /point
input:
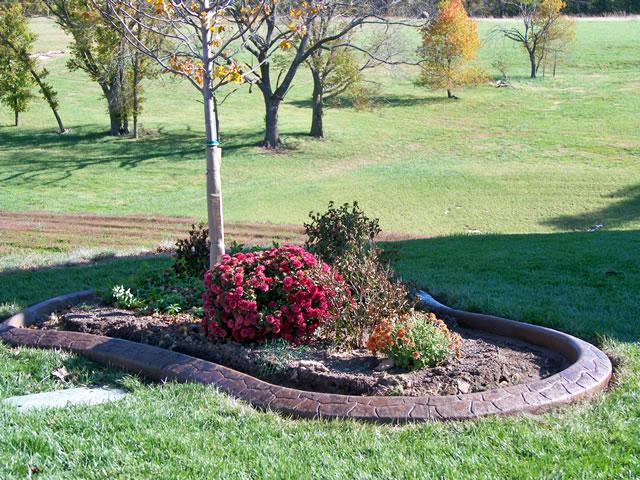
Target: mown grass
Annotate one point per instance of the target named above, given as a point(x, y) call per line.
point(547, 155)
point(189, 431)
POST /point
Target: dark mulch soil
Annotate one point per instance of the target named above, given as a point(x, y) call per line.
point(486, 361)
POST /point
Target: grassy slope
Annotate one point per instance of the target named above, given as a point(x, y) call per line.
point(549, 155)
point(586, 284)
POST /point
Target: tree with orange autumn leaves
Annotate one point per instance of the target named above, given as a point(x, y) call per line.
point(449, 43)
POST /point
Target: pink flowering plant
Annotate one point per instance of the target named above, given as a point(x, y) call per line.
point(283, 292)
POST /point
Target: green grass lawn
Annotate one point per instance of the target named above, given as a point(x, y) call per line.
point(531, 168)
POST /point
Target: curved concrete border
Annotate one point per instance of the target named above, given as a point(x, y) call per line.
point(588, 375)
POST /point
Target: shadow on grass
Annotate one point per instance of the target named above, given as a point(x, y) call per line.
point(26, 287)
point(381, 101)
point(625, 209)
point(45, 158)
point(586, 284)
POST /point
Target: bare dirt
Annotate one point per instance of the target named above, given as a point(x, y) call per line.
point(486, 361)
point(73, 231)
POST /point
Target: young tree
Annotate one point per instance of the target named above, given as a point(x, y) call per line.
point(289, 26)
point(542, 21)
point(338, 67)
point(201, 47)
point(555, 47)
point(15, 86)
point(449, 43)
point(104, 54)
point(16, 49)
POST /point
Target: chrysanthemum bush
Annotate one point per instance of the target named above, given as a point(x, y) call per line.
point(414, 341)
point(282, 292)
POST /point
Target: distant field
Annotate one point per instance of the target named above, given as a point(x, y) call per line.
point(555, 154)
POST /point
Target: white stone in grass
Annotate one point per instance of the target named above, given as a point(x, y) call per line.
point(65, 398)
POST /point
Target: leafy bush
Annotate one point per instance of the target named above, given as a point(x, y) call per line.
point(376, 295)
point(341, 231)
point(278, 293)
point(192, 253)
point(414, 341)
point(345, 237)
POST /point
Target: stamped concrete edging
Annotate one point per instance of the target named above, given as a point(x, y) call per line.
point(588, 374)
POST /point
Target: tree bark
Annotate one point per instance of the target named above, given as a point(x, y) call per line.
point(46, 93)
point(136, 105)
point(17, 118)
point(272, 131)
point(214, 154)
point(317, 120)
point(534, 68)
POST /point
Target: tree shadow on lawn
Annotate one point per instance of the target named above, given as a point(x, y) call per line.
point(626, 209)
point(381, 101)
point(36, 157)
point(50, 158)
point(587, 284)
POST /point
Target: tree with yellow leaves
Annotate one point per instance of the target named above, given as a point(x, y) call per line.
point(449, 43)
point(202, 46)
point(545, 30)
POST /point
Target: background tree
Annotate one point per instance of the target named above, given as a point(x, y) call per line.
point(289, 26)
point(337, 69)
point(542, 22)
point(15, 85)
point(16, 48)
point(556, 45)
point(104, 54)
point(449, 43)
point(201, 46)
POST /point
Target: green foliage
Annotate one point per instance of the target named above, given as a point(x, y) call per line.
point(123, 298)
point(426, 345)
point(16, 43)
point(7, 309)
point(341, 231)
point(166, 291)
point(192, 253)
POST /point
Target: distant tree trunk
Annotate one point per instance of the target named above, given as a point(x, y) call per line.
point(17, 118)
point(534, 67)
point(449, 94)
point(317, 121)
point(272, 131)
point(47, 93)
point(136, 106)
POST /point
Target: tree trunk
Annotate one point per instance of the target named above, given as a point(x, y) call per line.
point(214, 154)
point(17, 118)
point(136, 106)
point(53, 104)
point(449, 94)
point(317, 120)
point(116, 120)
point(272, 132)
point(534, 67)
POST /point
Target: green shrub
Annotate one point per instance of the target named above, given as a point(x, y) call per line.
point(341, 231)
point(414, 341)
point(192, 253)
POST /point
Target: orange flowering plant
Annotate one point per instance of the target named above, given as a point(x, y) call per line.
point(414, 341)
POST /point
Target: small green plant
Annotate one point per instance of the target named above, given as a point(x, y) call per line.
point(414, 341)
point(173, 309)
point(275, 356)
point(124, 298)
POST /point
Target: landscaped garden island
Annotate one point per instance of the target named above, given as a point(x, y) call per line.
point(285, 330)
